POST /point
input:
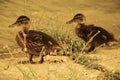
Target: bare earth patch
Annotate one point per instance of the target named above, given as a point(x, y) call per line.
point(110, 58)
point(49, 70)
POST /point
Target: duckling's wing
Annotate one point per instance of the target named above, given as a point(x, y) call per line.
point(36, 40)
point(34, 36)
point(40, 38)
point(105, 33)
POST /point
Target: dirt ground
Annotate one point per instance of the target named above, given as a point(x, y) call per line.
point(52, 69)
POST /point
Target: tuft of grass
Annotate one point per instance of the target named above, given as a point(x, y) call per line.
point(82, 59)
point(110, 75)
point(67, 41)
point(117, 75)
point(97, 66)
point(88, 62)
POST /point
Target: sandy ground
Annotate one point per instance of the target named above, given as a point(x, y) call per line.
point(110, 58)
point(51, 69)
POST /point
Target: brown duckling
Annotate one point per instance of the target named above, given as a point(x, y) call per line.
point(87, 32)
point(35, 42)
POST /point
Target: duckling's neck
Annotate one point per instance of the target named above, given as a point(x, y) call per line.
point(25, 30)
point(79, 25)
point(79, 28)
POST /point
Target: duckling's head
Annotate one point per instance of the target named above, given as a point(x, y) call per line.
point(78, 18)
point(22, 21)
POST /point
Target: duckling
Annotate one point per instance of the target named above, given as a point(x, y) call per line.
point(35, 42)
point(86, 32)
